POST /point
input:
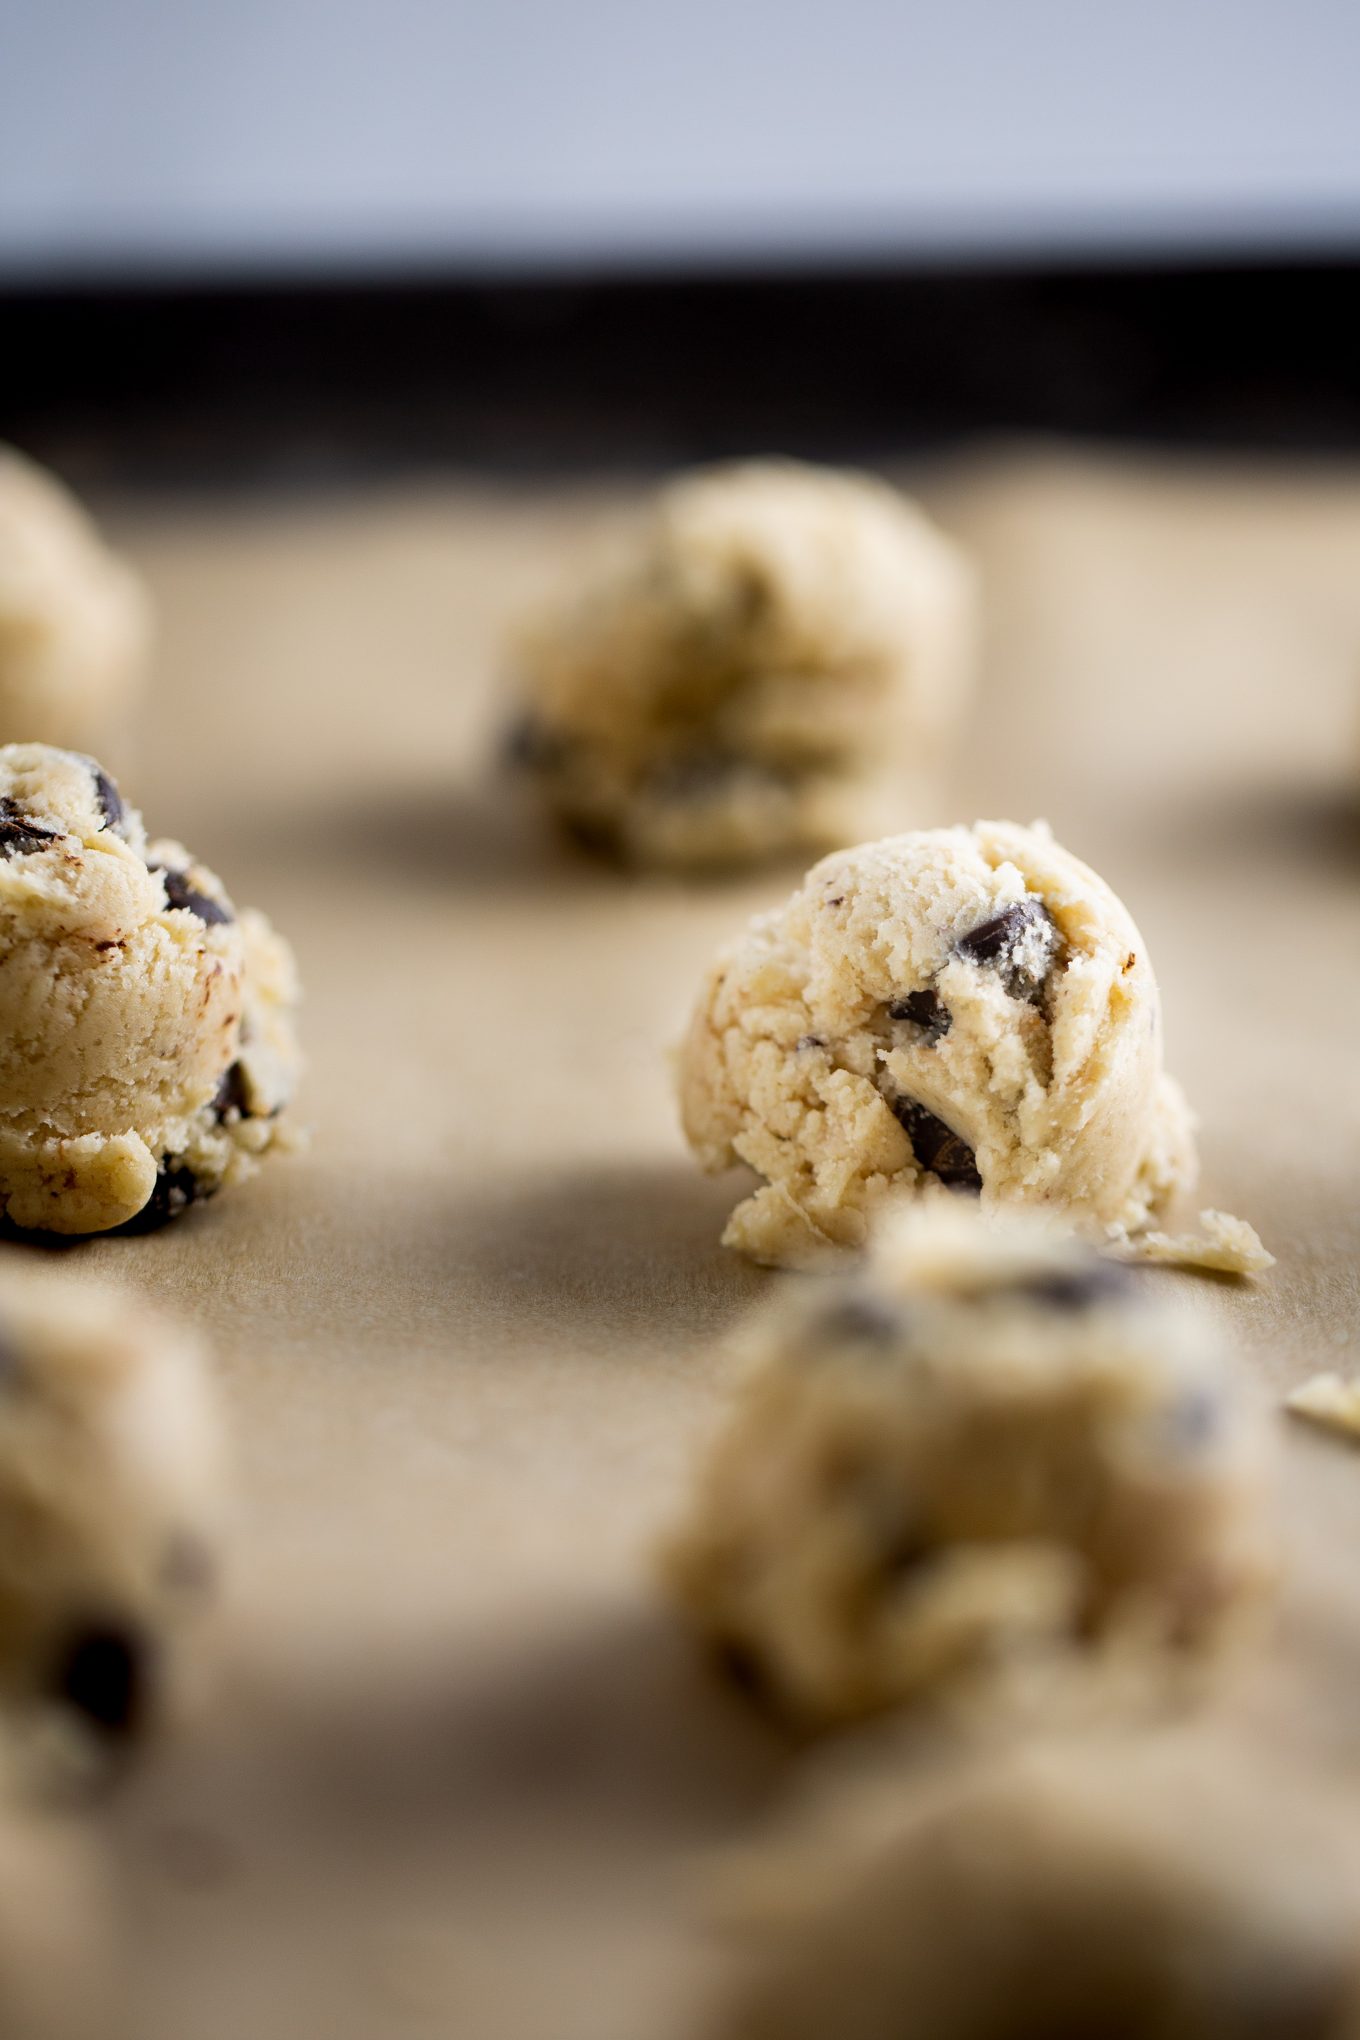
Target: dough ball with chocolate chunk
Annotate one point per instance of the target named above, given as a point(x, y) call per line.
point(988, 1448)
point(1131, 1891)
point(74, 620)
point(110, 1502)
point(774, 664)
point(146, 1028)
point(952, 1012)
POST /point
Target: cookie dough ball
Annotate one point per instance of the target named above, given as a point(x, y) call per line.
point(74, 620)
point(965, 1010)
point(58, 1964)
point(146, 1029)
point(990, 1446)
point(774, 665)
point(1109, 1892)
point(110, 1502)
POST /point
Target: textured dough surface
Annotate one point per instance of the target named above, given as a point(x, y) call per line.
point(773, 665)
point(987, 1442)
point(1115, 1890)
point(146, 1033)
point(74, 619)
point(936, 1008)
point(111, 1485)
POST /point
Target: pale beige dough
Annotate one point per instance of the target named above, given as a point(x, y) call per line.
point(147, 1051)
point(1117, 1891)
point(59, 1970)
point(774, 664)
point(74, 619)
point(111, 1502)
point(931, 1010)
point(988, 1444)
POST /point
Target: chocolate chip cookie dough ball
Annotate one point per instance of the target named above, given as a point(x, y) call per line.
point(74, 620)
point(146, 1030)
point(110, 1502)
point(58, 1958)
point(775, 664)
point(988, 1445)
point(964, 1010)
point(1115, 1891)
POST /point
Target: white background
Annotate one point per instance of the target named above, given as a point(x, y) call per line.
point(203, 134)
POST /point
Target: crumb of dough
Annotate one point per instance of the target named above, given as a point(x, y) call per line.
point(1227, 1246)
point(1327, 1400)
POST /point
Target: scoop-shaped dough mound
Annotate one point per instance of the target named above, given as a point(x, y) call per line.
point(74, 619)
point(146, 1039)
point(774, 664)
point(111, 1489)
point(987, 1445)
point(965, 1009)
point(1120, 1888)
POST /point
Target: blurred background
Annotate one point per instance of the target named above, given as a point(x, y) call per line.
point(305, 235)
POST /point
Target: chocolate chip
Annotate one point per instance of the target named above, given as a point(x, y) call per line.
point(923, 1008)
point(107, 795)
point(1001, 944)
point(188, 1565)
point(175, 1189)
point(103, 1672)
point(812, 1041)
point(744, 1665)
point(1193, 1419)
point(865, 1319)
point(530, 746)
point(1076, 1288)
point(19, 835)
point(179, 893)
point(231, 1095)
point(939, 1151)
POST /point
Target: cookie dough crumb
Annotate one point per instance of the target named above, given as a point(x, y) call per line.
point(111, 1486)
point(1226, 1246)
point(953, 1012)
point(1329, 1401)
point(988, 1448)
point(147, 1044)
point(774, 664)
point(74, 619)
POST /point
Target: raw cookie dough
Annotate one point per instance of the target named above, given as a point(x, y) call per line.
point(110, 1501)
point(57, 1956)
point(953, 1010)
point(74, 620)
point(1106, 1892)
point(989, 1446)
point(146, 1030)
point(774, 665)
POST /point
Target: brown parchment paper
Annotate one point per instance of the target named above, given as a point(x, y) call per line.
point(456, 1767)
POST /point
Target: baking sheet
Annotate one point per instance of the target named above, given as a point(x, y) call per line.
point(457, 1767)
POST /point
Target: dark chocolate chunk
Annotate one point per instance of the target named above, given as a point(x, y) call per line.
point(19, 835)
point(1193, 1419)
point(867, 1319)
point(530, 746)
point(996, 943)
point(812, 1041)
point(743, 1664)
point(103, 1672)
point(1076, 1288)
point(940, 1151)
point(230, 1095)
point(923, 1008)
point(179, 893)
point(176, 1188)
point(188, 1565)
point(109, 798)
